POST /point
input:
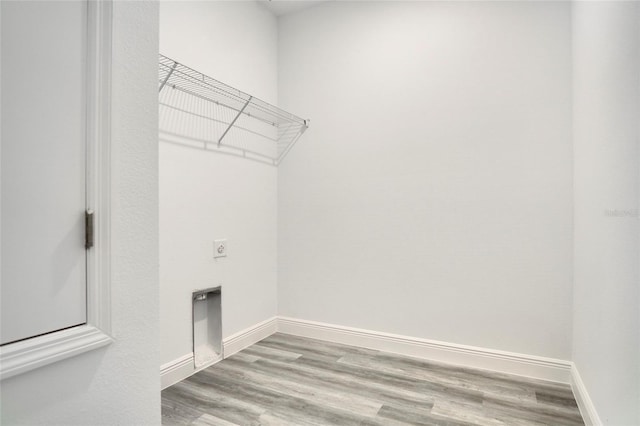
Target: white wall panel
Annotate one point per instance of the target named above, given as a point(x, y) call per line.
point(606, 321)
point(205, 195)
point(432, 195)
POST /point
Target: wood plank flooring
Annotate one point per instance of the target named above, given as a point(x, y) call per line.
point(287, 380)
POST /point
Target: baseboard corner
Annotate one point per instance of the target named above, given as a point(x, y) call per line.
point(585, 404)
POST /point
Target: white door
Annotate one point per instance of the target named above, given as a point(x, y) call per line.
point(43, 136)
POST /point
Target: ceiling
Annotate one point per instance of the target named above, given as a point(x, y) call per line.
point(283, 7)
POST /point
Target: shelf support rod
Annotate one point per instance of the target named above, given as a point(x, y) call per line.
point(234, 120)
point(175, 64)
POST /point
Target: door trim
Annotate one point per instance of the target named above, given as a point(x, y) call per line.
point(26, 355)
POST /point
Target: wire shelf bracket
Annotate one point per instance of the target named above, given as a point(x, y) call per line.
point(201, 111)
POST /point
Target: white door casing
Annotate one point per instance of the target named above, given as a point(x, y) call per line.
point(81, 105)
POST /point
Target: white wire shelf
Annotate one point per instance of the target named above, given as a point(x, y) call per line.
point(204, 112)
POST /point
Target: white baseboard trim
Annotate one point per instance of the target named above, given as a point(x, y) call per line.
point(176, 370)
point(247, 337)
point(183, 367)
point(468, 356)
point(587, 409)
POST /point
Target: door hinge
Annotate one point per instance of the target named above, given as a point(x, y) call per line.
point(88, 234)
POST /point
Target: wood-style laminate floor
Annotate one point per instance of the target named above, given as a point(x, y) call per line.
point(287, 380)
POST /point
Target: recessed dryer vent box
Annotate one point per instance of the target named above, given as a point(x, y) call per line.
point(207, 326)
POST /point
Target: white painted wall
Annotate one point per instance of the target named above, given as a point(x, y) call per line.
point(118, 384)
point(432, 196)
point(205, 195)
point(606, 348)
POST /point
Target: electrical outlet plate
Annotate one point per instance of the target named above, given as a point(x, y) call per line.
point(220, 248)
